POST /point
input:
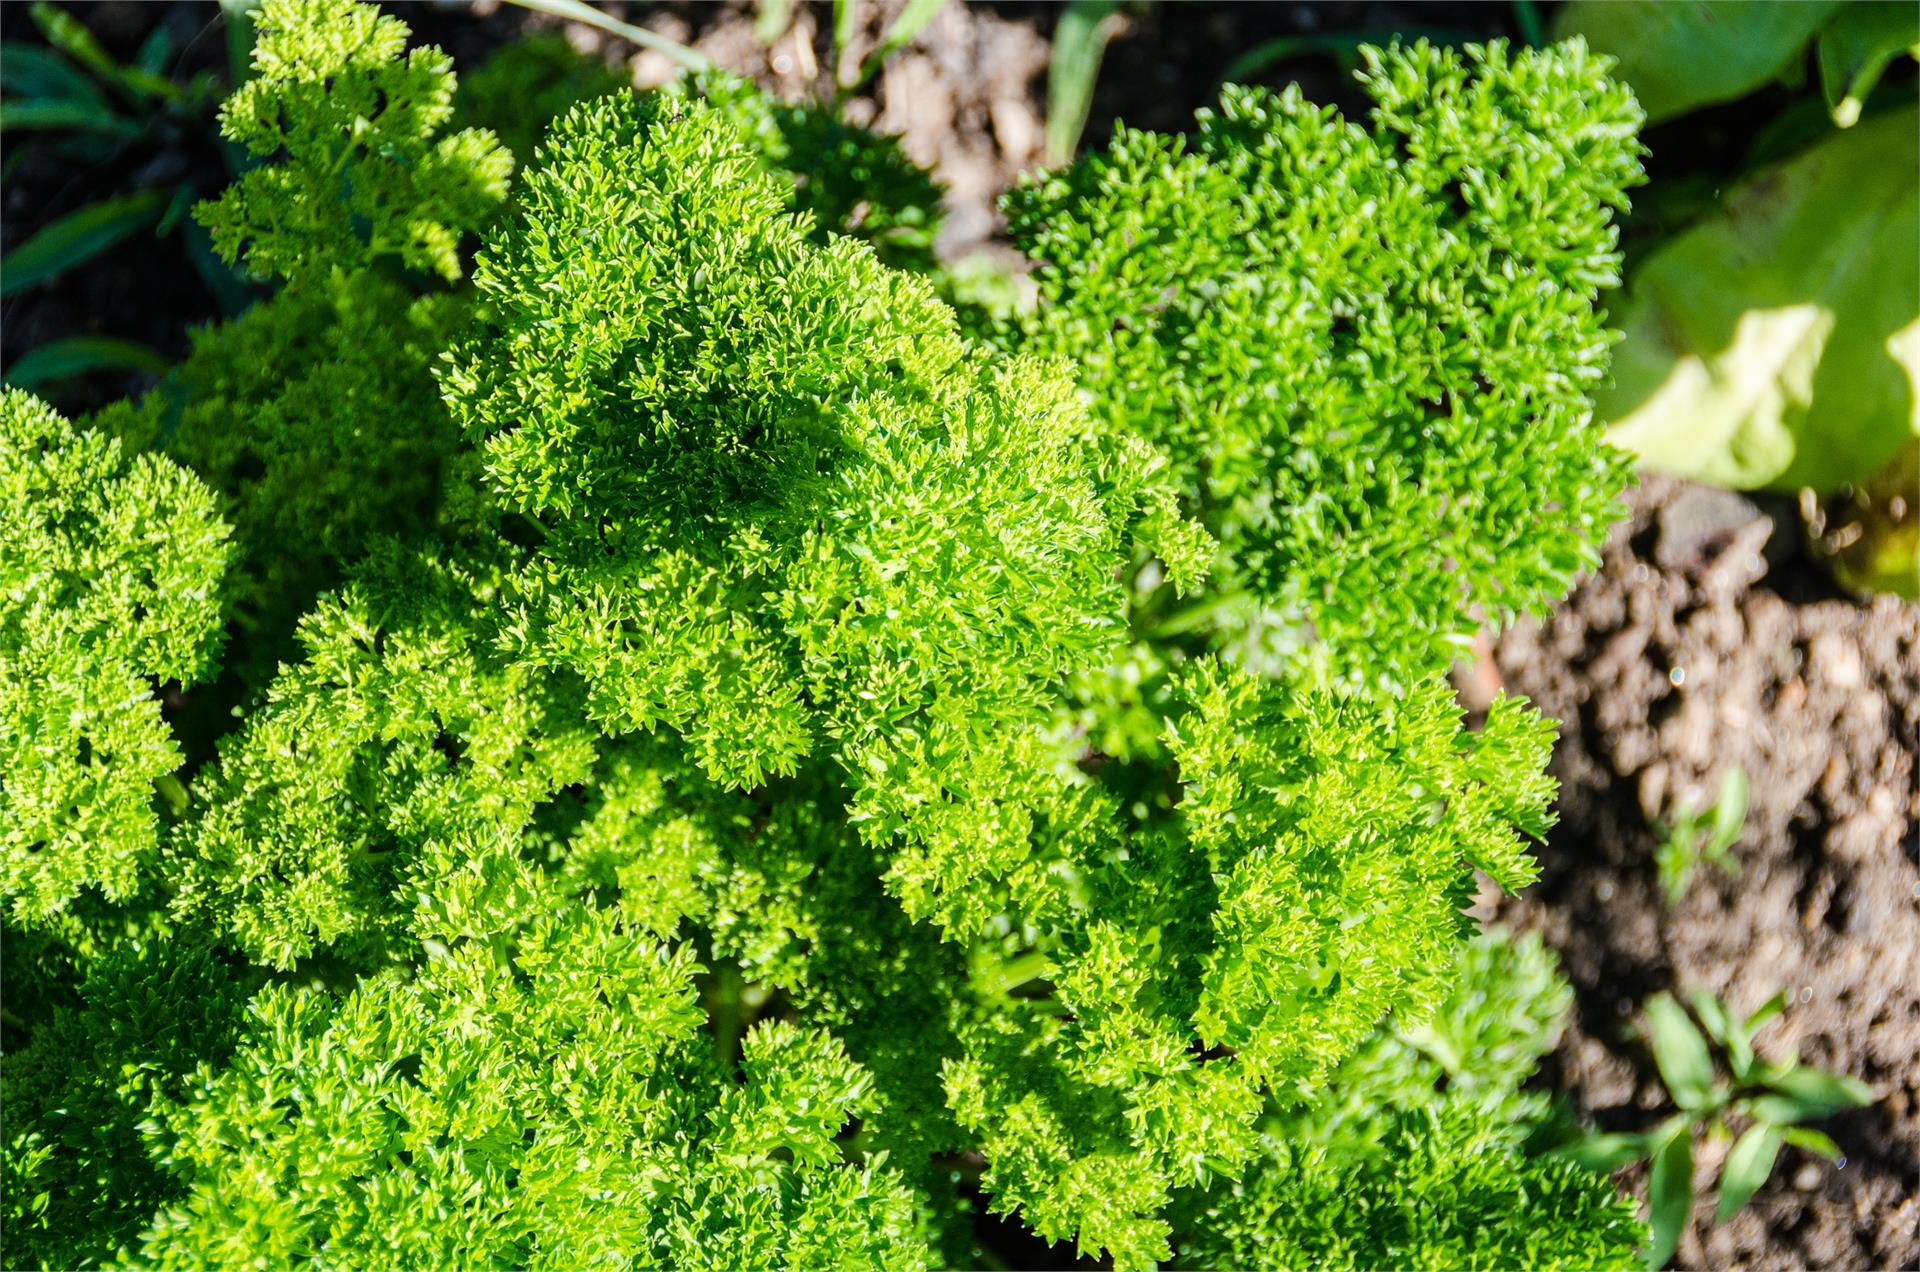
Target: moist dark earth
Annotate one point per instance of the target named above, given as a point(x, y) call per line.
point(1710, 636)
point(1710, 639)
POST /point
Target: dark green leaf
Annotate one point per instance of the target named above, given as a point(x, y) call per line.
point(1682, 55)
point(154, 52)
point(1747, 1167)
point(81, 355)
point(1806, 1095)
point(237, 16)
point(29, 71)
point(30, 116)
point(1681, 1053)
point(1669, 1197)
point(65, 32)
point(1812, 1141)
point(77, 237)
point(227, 285)
point(1079, 42)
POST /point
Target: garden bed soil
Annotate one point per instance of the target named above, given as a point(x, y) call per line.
point(1709, 639)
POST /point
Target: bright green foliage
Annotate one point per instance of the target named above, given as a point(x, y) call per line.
point(80, 1181)
point(1439, 1187)
point(850, 180)
point(383, 787)
point(108, 571)
point(1333, 836)
point(743, 790)
point(523, 87)
point(785, 510)
point(363, 176)
point(1364, 351)
point(539, 1099)
point(1414, 1155)
point(316, 418)
point(1308, 887)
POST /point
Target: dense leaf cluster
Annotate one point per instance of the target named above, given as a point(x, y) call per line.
point(710, 772)
point(1365, 351)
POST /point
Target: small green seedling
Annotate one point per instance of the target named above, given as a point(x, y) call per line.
point(1773, 1096)
point(1702, 835)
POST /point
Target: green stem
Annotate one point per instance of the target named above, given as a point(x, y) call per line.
point(1011, 976)
point(577, 11)
point(728, 1014)
point(1526, 16)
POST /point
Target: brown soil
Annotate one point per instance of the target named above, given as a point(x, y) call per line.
point(1702, 644)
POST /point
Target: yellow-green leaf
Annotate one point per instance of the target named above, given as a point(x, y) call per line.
point(1777, 344)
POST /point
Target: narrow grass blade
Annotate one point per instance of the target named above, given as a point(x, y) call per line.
point(81, 355)
point(78, 237)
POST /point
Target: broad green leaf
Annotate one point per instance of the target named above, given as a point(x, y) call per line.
point(1604, 1151)
point(1855, 48)
point(1806, 1095)
point(1681, 54)
point(39, 74)
point(66, 33)
point(1681, 1053)
point(1777, 345)
point(1812, 1141)
point(1748, 1164)
point(1740, 1040)
point(845, 20)
point(79, 355)
point(1730, 810)
point(1712, 1013)
point(78, 237)
point(1079, 42)
point(41, 116)
point(1669, 1197)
